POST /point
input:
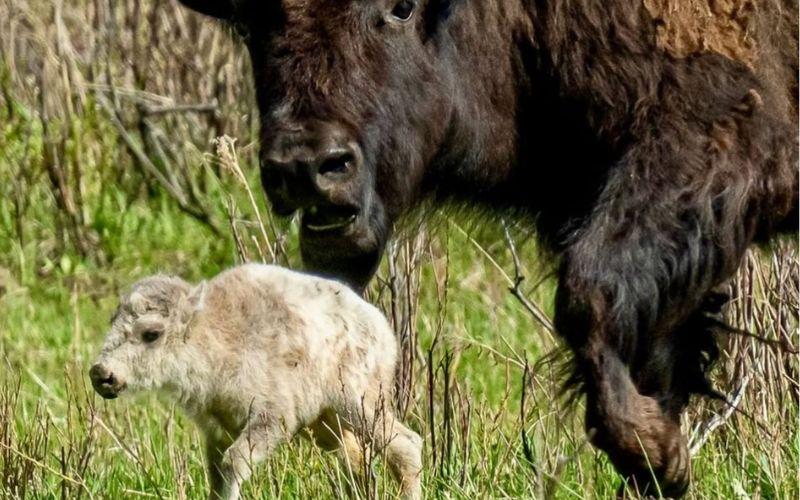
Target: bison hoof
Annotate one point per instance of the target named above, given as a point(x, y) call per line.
point(645, 488)
point(645, 446)
point(671, 480)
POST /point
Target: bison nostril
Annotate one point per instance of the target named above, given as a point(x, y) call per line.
point(105, 382)
point(276, 184)
point(101, 376)
point(336, 164)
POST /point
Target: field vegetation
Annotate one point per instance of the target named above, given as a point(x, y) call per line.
point(128, 147)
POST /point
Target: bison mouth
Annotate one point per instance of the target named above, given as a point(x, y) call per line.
point(331, 219)
point(344, 241)
point(108, 394)
point(108, 390)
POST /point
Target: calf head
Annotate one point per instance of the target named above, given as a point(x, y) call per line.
point(148, 328)
point(356, 101)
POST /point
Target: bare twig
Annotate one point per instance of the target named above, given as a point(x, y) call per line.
point(77, 482)
point(226, 151)
point(517, 292)
point(134, 94)
point(211, 107)
point(237, 237)
point(514, 283)
point(150, 168)
point(526, 445)
point(703, 431)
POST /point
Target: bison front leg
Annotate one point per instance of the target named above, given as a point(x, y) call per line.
point(644, 443)
point(633, 282)
point(601, 315)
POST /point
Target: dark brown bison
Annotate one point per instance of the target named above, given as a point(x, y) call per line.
point(650, 141)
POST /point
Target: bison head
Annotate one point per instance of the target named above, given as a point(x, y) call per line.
point(355, 99)
point(143, 348)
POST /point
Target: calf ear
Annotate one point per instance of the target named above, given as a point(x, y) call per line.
point(191, 304)
point(138, 302)
point(222, 9)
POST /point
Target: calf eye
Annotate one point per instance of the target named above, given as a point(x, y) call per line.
point(150, 336)
point(403, 10)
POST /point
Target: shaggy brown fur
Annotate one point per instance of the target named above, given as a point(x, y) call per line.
point(651, 141)
point(686, 27)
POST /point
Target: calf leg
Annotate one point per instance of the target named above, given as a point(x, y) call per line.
point(332, 434)
point(403, 455)
point(216, 444)
point(357, 460)
point(254, 445)
point(400, 446)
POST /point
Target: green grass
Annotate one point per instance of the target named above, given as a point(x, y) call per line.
point(58, 438)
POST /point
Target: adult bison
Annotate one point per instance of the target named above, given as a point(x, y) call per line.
point(651, 141)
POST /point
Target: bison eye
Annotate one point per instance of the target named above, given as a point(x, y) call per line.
point(403, 10)
point(150, 336)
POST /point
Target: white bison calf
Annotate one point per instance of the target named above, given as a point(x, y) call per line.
point(257, 354)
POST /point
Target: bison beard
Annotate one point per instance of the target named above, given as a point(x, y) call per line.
point(651, 149)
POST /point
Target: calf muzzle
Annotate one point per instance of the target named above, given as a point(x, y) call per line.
point(105, 382)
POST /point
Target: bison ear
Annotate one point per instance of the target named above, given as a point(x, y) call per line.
point(437, 13)
point(138, 302)
point(197, 297)
point(192, 303)
point(221, 9)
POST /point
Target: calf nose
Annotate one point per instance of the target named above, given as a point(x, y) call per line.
point(104, 381)
point(300, 170)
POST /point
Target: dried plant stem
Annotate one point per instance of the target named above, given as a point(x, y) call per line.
point(226, 151)
point(704, 430)
point(517, 292)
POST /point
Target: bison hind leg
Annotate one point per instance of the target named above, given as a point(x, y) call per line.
point(697, 351)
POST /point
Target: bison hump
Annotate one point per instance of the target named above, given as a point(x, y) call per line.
point(686, 27)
